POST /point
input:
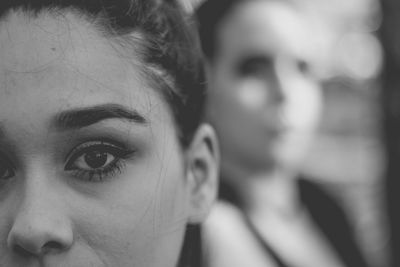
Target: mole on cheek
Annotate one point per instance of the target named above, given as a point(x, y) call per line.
point(53, 49)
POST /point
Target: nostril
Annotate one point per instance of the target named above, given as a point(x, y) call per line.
point(22, 251)
point(52, 246)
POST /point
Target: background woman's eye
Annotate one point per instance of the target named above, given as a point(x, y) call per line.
point(6, 171)
point(303, 66)
point(255, 66)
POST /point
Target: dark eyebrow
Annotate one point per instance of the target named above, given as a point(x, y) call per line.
point(83, 117)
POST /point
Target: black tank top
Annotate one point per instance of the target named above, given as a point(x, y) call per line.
point(264, 245)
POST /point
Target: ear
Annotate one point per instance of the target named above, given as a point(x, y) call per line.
point(202, 171)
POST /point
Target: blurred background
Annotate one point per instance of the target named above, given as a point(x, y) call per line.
point(347, 152)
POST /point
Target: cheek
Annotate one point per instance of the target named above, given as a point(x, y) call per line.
point(246, 99)
point(252, 94)
point(172, 205)
point(304, 106)
point(140, 222)
point(122, 245)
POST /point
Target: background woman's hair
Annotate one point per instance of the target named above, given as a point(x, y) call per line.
point(209, 16)
point(157, 29)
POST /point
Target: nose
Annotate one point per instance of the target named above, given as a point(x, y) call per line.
point(38, 237)
point(280, 83)
point(39, 228)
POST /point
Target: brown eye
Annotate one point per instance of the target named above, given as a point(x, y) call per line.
point(96, 159)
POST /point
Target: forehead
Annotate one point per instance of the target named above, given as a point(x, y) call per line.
point(263, 26)
point(47, 39)
point(64, 60)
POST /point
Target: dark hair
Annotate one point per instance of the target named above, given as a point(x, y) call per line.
point(165, 40)
point(209, 15)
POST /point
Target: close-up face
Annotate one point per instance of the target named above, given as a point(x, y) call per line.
point(91, 169)
point(263, 101)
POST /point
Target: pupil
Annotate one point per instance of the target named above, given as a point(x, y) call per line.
point(4, 172)
point(95, 159)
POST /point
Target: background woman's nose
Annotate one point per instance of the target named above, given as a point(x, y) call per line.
point(287, 79)
point(280, 83)
point(35, 234)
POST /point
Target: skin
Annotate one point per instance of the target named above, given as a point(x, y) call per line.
point(264, 102)
point(50, 213)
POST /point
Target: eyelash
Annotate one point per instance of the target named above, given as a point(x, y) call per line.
point(110, 170)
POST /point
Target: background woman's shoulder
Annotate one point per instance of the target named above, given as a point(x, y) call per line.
point(228, 241)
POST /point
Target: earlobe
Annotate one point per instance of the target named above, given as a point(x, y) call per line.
point(202, 172)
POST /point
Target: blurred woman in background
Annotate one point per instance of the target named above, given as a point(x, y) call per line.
point(264, 102)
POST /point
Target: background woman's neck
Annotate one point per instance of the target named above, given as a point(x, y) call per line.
point(268, 190)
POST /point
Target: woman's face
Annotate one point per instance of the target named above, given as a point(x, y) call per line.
point(91, 171)
point(263, 102)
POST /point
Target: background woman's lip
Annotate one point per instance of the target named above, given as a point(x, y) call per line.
point(277, 128)
point(276, 133)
